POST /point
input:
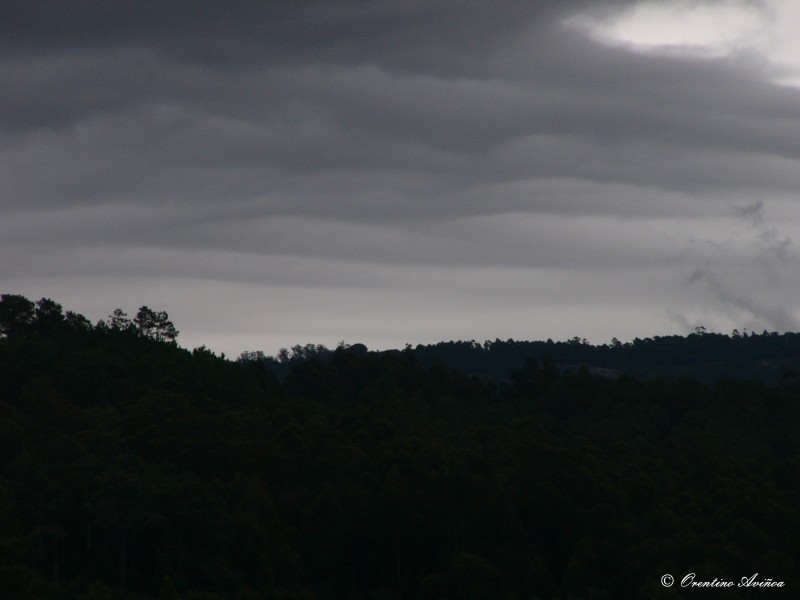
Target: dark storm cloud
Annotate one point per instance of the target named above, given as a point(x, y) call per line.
point(404, 33)
point(275, 132)
point(304, 143)
point(111, 113)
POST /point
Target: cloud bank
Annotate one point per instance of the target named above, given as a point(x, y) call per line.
point(290, 172)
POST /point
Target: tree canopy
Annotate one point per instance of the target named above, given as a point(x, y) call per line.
point(133, 468)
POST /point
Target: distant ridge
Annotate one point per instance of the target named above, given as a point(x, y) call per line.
point(708, 357)
point(768, 357)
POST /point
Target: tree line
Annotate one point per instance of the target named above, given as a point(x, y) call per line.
point(707, 356)
point(20, 317)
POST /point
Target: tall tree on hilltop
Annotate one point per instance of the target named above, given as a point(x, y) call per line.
point(48, 315)
point(119, 321)
point(155, 325)
point(16, 313)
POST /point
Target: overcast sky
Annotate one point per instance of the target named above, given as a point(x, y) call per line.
point(404, 171)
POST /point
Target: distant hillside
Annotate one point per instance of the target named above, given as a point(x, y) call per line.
point(768, 357)
point(708, 357)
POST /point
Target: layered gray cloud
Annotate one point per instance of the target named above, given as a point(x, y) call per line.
point(390, 173)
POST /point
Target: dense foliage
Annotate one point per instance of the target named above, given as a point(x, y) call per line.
point(132, 468)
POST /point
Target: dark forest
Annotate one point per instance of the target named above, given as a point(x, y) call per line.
point(133, 468)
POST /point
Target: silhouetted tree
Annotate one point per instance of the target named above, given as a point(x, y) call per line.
point(16, 314)
point(119, 321)
point(155, 325)
point(48, 315)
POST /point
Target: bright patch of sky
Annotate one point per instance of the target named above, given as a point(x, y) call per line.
point(712, 28)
